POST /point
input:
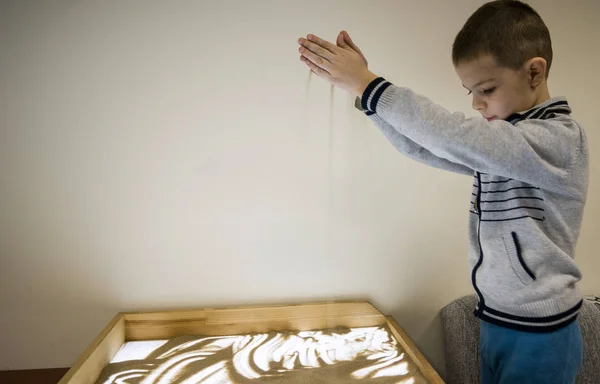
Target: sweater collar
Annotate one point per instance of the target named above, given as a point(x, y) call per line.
point(548, 109)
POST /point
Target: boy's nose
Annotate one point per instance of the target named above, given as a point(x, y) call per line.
point(478, 104)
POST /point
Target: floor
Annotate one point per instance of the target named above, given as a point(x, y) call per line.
point(37, 376)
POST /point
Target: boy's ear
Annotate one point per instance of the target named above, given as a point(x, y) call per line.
point(536, 69)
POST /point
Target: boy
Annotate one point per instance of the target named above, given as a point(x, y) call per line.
point(529, 160)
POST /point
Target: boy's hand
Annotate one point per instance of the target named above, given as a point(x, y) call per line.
point(341, 65)
point(344, 41)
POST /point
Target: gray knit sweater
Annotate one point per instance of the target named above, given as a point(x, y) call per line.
point(530, 185)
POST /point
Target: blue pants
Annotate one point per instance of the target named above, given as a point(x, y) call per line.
point(510, 356)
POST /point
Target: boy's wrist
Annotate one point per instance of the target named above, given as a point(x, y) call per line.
point(366, 79)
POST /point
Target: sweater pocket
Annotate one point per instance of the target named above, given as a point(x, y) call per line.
point(515, 257)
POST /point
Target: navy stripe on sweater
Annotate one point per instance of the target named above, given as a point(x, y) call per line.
point(378, 94)
point(367, 93)
point(558, 106)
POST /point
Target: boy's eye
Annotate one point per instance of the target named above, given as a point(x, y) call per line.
point(488, 91)
point(469, 93)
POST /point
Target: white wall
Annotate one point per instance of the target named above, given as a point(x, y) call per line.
point(167, 154)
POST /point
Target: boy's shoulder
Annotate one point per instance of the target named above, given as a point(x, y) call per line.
point(551, 123)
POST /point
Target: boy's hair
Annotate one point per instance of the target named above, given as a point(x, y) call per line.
point(509, 30)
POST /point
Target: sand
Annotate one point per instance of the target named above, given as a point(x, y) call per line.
point(341, 355)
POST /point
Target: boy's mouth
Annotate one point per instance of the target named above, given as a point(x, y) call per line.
point(491, 118)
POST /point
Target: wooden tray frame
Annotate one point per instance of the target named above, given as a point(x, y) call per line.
point(130, 326)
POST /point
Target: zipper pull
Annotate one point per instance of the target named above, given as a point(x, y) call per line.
point(478, 194)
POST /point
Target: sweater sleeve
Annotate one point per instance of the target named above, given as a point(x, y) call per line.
point(411, 149)
point(539, 152)
point(416, 152)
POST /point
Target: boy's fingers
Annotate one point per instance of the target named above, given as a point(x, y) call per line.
point(323, 43)
point(316, 59)
point(313, 47)
point(315, 69)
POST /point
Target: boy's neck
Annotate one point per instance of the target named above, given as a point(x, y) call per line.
point(542, 95)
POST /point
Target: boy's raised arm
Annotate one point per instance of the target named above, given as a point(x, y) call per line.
point(412, 150)
point(539, 152)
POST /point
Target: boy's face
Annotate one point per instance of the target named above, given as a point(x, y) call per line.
point(497, 92)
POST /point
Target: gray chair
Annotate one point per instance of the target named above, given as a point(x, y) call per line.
point(461, 337)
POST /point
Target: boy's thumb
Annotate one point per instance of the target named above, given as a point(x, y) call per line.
point(348, 41)
point(341, 42)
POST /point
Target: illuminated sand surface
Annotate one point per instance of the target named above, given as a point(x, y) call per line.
point(340, 355)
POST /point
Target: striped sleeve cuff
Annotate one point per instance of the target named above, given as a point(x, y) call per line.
point(372, 94)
